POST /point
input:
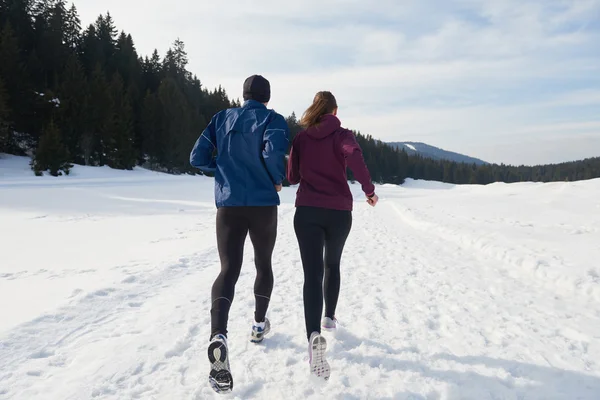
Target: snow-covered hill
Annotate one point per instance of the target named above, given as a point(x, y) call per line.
point(448, 293)
point(428, 151)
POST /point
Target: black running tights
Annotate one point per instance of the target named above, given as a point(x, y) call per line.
point(318, 230)
point(233, 225)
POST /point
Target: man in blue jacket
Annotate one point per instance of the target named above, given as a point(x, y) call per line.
point(251, 143)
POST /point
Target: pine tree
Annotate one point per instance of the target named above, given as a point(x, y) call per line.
point(153, 72)
point(293, 126)
point(107, 29)
point(15, 80)
point(6, 137)
point(51, 154)
point(106, 33)
point(44, 107)
point(119, 149)
point(91, 53)
point(37, 55)
point(72, 34)
point(129, 66)
point(177, 132)
point(74, 111)
point(176, 61)
point(97, 138)
point(152, 125)
point(215, 101)
point(127, 61)
point(19, 15)
point(50, 30)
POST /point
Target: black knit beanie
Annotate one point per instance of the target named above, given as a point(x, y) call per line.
point(257, 88)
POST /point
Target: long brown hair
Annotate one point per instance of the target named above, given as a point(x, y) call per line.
point(324, 103)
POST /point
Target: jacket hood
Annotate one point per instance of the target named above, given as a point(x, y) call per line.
point(327, 125)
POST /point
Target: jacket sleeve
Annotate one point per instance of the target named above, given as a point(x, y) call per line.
point(355, 160)
point(201, 156)
point(293, 168)
point(275, 145)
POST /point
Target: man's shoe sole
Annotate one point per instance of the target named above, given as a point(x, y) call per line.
point(220, 377)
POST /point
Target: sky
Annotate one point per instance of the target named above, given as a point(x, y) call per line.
point(513, 81)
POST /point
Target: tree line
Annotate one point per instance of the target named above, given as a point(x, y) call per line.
point(85, 96)
point(73, 95)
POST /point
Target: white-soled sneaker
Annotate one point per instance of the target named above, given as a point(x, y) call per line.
point(329, 324)
point(317, 347)
point(220, 378)
point(259, 330)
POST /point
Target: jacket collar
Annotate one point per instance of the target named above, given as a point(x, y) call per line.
point(252, 104)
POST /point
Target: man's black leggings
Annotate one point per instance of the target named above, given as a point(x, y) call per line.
point(319, 229)
point(233, 225)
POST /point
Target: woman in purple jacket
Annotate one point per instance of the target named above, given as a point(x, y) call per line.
point(318, 161)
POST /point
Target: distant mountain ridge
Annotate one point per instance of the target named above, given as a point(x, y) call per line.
point(428, 151)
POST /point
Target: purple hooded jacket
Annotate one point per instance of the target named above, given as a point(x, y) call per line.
point(318, 161)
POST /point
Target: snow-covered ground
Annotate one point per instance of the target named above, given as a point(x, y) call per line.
point(448, 293)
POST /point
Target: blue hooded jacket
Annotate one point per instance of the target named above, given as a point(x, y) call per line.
point(251, 143)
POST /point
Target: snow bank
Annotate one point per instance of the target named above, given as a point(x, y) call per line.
point(14, 166)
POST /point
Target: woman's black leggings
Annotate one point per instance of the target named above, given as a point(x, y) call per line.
point(233, 226)
point(319, 229)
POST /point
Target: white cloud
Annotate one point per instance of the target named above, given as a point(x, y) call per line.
point(470, 74)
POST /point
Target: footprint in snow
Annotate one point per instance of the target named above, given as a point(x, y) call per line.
point(102, 293)
point(42, 354)
point(129, 279)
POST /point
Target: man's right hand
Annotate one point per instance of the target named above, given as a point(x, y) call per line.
point(278, 188)
point(373, 200)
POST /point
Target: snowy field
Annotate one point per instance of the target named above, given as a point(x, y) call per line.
point(448, 293)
